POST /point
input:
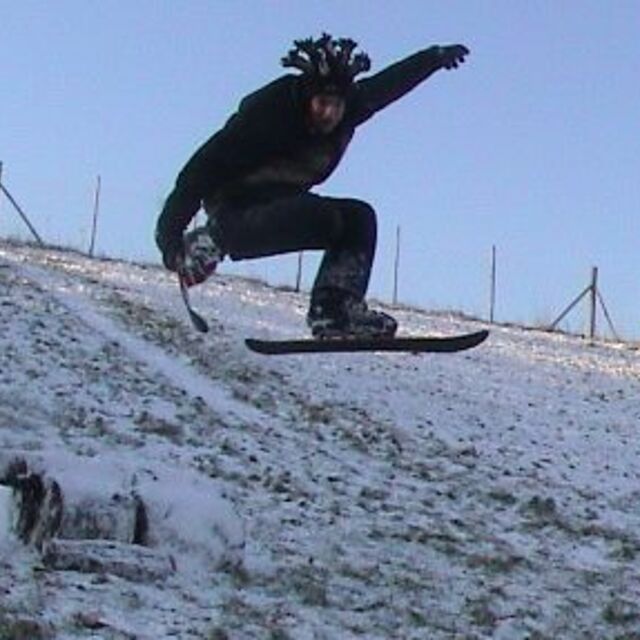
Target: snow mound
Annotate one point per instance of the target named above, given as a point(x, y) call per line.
point(115, 498)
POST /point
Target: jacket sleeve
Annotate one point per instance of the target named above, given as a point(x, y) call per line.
point(376, 92)
point(253, 133)
point(208, 168)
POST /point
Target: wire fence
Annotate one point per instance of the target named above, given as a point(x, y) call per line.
point(591, 293)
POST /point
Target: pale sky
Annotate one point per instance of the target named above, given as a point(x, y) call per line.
point(533, 145)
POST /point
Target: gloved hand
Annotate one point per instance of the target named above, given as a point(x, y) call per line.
point(200, 257)
point(172, 249)
point(453, 55)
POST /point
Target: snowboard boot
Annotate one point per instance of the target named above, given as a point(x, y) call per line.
point(201, 256)
point(339, 315)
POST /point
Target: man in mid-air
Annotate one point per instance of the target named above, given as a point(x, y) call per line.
point(254, 179)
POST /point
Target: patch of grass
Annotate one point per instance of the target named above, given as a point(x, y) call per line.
point(619, 611)
point(24, 629)
point(496, 564)
point(150, 424)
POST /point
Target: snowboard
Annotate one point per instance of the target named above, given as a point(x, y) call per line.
point(409, 344)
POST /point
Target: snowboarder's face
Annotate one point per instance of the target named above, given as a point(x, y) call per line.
point(326, 111)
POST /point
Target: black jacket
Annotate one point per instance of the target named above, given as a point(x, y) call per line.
point(265, 149)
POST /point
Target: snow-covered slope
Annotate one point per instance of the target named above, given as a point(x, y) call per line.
point(488, 494)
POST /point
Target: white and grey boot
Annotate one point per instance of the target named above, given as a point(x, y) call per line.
point(339, 315)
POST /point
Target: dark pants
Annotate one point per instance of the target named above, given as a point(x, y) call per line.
point(344, 228)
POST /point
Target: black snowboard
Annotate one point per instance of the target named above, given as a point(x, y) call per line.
point(424, 344)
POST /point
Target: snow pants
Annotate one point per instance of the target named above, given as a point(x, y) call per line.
point(344, 228)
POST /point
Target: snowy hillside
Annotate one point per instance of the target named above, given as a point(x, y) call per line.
point(488, 494)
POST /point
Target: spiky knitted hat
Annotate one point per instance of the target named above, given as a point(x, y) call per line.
point(327, 65)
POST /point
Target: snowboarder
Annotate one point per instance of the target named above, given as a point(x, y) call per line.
point(254, 176)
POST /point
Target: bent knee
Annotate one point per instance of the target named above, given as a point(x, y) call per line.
point(354, 225)
point(359, 207)
point(360, 218)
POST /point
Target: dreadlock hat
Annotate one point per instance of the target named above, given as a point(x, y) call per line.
point(328, 65)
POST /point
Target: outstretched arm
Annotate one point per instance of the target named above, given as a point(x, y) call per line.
point(383, 88)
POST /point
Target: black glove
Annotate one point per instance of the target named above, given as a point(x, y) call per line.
point(453, 55)
point(172, 250)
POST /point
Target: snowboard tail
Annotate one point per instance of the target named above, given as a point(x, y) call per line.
point(410, 344)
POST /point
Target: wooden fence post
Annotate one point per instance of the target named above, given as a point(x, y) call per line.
point(299, 272)
point(96, 210)
point(594, 297)
point(21, 213)
point(492, 301)
point(594, 302)
point(396, 267)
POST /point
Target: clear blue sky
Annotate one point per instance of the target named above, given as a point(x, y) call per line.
point(533, 145)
